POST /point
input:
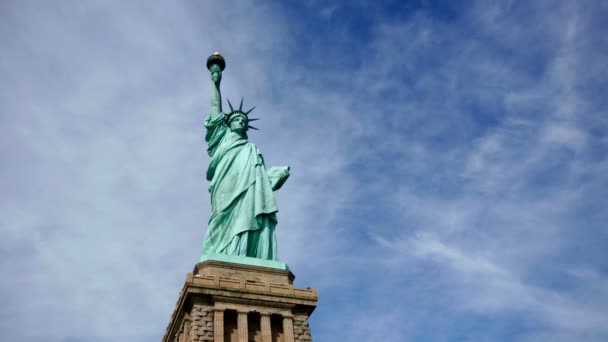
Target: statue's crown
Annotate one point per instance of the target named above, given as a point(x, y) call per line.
point(239, 111)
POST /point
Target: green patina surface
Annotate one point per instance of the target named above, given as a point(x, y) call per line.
point(243, 208)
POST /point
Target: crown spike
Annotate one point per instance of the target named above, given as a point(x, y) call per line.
point(241, 105)
point(230, 104)
point(257, 129)
point(253, 119)
point(249, 111)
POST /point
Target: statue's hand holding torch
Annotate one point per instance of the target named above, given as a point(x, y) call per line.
point(216, 64)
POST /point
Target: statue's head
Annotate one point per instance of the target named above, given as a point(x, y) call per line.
point(238, 121)
point(216, 73)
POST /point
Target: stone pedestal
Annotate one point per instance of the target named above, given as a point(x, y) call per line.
point(229, 302)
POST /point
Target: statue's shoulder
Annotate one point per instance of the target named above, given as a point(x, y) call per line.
point(215, 119)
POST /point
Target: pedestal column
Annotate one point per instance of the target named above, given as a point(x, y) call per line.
point(265, 326)
point(288, 328)
point(218, 326)
point(242, 326)
point(184, 335)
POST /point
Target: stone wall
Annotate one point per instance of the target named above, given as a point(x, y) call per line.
point(301, 330)
point(202, 323)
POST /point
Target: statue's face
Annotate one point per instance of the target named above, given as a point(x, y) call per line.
point(216, 73)
point(238, 124)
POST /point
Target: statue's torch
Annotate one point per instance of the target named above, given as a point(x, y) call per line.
point(216, 58)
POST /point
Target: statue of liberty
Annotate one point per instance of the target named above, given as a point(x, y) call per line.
point(243, 208)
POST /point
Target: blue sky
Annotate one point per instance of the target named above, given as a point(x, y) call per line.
point(449, 163)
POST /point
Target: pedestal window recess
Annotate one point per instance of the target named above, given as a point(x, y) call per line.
point(276, 325)
point(253, 325)
point(230, 326)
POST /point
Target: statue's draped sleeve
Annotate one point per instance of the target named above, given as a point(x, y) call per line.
point(216, 131)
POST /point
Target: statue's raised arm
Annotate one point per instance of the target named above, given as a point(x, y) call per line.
point(216, 64)
point(243, 207)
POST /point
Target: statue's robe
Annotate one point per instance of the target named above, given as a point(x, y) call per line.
point(243, 217)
